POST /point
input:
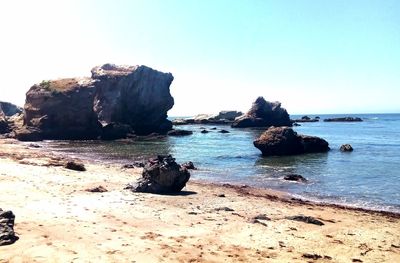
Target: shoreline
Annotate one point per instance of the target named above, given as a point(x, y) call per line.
point(58, 220)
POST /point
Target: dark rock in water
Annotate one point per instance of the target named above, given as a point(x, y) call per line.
point(223, 117)
point(204, 131)
point(224, 131)
point(189, 165)
point(34, 145)
point(98, 189)
point(296, 124)
point(115, 102)
point(295, 177)
point(10, 109)
point(344, 119)
point(213, 128)
point(72, 165)
point(263, 114)
point(161, 175)
point(285, 141)
point(346, 148)
point(179, 133)
point(306, 119)
point(306, 219)
point(7, 234)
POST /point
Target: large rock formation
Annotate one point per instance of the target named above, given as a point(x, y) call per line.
point(114, 102)
point(161, 175)
point(138, 96)
point(7, 234)
point(10, 109)
point(285, 141)
point(263, 114)
point(223, 117)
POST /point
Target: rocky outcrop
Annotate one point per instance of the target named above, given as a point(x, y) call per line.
point(7, 234)
point(223, 117)
point(306, 119)
point(114, 103)
point(10, 109)
point(263, 114)
point(295, 177)
point(179, 133)
point(285, 141)
point(135, 95)
point(161, 175)
point(3, 122)
point(344, 119)
point(62, 109)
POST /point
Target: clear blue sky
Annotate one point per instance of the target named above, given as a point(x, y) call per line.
point(313, 56)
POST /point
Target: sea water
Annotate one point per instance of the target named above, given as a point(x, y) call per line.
point(368, 177)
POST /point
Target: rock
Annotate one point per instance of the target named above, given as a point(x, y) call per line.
point(346, 148)
point(311, 256)
point(7, 234)
point(3, 122)
point(135, 164)
point(224, 208)
point(161, 175)
point(306, 219)
point(98, 189)
point(115, 102)
point(10, 109)
point(224, 131)
point(296, 124)
point(262, 217)
point(227, 115)
point(306, 119)
point(72, 165)
point(295, 177)
point(343, 119)
point(285, 141)
point(62, 109)
point(263, 114)
point(213, 128)
point(189, 165)
point(30, 134)
point(135, 95)
point(204, 131)
point(179, 133)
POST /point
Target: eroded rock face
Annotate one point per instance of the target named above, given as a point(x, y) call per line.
point(263, 114)
point(10, 109)
point(138, 96)
point(161, 175)
point(3, 122)
point(285, 141)
point(62, 109)
point(114, 103)
point(7, 234)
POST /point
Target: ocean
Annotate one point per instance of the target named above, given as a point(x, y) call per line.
point(368, 177)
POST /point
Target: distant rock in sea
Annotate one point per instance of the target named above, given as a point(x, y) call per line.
point(346, 148)
point(285, 141)
point(343, 119)
point(223, 117)
point(263, 114)
point(306, 119)
point(114, 102)
point(10, 109)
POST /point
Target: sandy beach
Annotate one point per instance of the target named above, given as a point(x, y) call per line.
point(58, 221)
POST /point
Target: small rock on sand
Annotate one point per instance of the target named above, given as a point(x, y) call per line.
point(98, 189)
point(306, 219)
point(72, 165)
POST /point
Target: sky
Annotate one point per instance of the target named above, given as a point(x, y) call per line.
point(314, 56)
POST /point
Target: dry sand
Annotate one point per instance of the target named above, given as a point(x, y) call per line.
point(58, 221)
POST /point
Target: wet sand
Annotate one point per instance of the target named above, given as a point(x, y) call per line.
point(58, 221)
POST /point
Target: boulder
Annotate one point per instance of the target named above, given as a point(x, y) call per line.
point(263, 114)
point(346, 148)
point(179, 133)
point(10, 109)
point(285, 141)
point(161, 175)
point(7, 234)
point(343, 119)
point(189, 165)
point(114, 103)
